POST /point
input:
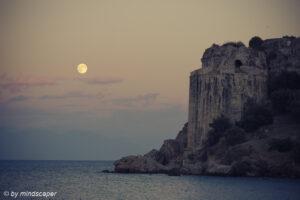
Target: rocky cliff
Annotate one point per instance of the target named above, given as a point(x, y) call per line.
point(230, 75)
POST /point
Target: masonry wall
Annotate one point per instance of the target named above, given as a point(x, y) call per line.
point(219, 87)
point(213, 94)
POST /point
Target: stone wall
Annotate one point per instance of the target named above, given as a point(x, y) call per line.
point(229, 76)
point(221, 87)
point(282, 54)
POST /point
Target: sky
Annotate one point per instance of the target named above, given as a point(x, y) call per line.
point(139, 56)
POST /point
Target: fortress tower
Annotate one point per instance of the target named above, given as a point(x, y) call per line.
point(230, 75)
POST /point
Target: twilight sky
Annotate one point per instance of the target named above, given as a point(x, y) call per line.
point(139, 55)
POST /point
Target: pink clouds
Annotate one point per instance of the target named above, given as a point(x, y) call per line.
point(73, 94)
point(20, 83)
point(144, 100)
point(102, 80)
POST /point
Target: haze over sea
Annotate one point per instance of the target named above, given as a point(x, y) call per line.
point(85, 180)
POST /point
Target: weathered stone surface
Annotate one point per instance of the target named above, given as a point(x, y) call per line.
point(219, 58)
point(282, 54)
point(181, 138)
point(168, 158)
point(171, 149)
point(138, 164)
point(155, 155)
point(221, 87)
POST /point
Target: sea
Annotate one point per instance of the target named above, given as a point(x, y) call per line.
point(84, 180)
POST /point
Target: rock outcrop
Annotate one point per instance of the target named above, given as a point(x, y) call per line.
point(230, 75)
point(167, 158)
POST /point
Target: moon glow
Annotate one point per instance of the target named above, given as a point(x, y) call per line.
point(82, 68)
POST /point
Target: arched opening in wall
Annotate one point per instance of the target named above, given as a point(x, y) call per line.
point(238, 64)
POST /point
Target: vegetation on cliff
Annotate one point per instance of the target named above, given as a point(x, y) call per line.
point(256, 43)
point(284, 91)
point(255, 116)
point(219, 126)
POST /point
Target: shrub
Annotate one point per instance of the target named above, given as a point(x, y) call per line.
point(256, 43)
point(234, 136)
point(248, 123)
point(282, 99)
point(219, 126)
point(213, 137)
point(285, 80)
point(255, 116)
point(281, 145)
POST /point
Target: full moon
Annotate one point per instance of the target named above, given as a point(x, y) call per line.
point(82, 68)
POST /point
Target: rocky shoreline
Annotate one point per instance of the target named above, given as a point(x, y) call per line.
point(252, 158)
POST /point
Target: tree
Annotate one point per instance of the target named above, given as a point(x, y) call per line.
point(256, 43)
point(255, 116)
point(219, 126)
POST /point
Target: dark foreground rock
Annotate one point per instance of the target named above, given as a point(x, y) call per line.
point(139, 164)
point(107, 171)
point(257, 156)
point(174, 172)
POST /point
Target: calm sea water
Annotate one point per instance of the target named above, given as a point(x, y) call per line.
point(84, 180)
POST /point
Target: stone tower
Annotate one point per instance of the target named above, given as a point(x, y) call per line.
point(230, 75)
